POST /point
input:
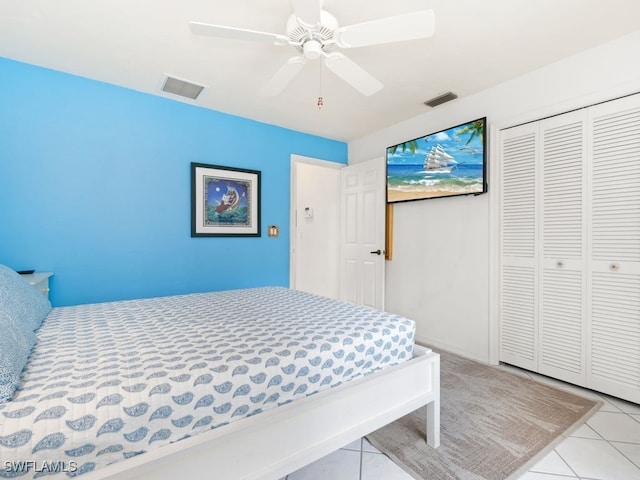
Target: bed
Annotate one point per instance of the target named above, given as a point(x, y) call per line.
point(249, 383)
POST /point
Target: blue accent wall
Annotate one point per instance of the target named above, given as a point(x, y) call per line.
point(95, 187)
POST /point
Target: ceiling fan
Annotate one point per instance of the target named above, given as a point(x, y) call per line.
point(314, 33)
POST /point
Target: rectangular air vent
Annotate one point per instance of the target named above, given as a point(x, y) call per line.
point(182, 88)
point(447, 97)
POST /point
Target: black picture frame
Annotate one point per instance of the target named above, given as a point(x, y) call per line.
point(225, 201)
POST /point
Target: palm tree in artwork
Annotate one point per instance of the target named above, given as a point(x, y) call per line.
point(412, 146)
point(476, 129)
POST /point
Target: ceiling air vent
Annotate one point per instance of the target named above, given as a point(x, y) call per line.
point(447, 97)
point(182, 88)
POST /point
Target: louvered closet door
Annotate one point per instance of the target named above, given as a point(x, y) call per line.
point(563, 243)
point(614, 300)
point(518, 293)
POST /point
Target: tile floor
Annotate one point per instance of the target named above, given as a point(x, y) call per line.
point(607, 447)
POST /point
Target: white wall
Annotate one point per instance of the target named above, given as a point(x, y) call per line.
point(443, 266)
point(315, 243)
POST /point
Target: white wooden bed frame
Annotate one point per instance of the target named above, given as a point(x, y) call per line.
point(279, 441)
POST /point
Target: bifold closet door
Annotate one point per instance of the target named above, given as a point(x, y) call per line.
point(562, 267)
point(614, 284)
point(570, 247)
point(543, 246)
point(518, 278)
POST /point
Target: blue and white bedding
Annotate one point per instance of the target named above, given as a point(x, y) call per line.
point(110, 381)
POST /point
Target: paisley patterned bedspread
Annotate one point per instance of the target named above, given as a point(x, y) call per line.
point(109, 381)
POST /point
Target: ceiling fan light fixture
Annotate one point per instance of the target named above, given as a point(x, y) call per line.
point(312, 49)
point(313, 32)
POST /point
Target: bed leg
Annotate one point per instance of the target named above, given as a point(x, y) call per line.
point(433, 424)
point(433, 409)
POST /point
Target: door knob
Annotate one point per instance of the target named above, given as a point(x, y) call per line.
point(376, 252)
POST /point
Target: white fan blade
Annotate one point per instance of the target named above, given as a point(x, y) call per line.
point(352, 73)
point(237, 33)
point(410, 26)
point(283, 76)
point(307, 11)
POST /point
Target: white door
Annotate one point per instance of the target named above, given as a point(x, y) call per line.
point(614, 248)
point(519, 275)
point(562, 266)
point(363, 233)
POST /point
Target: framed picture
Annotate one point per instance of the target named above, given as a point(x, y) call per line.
point(225, 201)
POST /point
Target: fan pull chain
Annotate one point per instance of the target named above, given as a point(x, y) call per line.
point(320, 102)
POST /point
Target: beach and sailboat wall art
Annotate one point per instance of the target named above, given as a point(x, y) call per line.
point(447, 163)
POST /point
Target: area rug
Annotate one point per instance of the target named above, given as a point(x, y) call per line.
point(494, 424)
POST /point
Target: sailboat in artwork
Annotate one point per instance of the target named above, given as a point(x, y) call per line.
point(439, 161)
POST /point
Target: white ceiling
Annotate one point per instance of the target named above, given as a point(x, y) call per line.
point(477, 44)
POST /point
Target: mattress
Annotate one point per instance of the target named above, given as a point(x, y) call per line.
point(109, 381)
